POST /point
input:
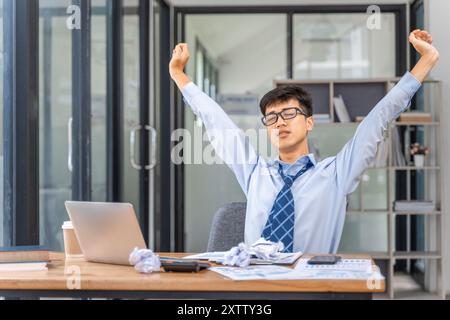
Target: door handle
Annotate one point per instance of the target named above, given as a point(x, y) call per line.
point(132, 146)
point(153, 148)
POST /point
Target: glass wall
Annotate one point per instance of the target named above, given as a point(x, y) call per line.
point(55, 118)
point(232, 56)
point(239, 55)
point(340, 45)
point(98, 98)
point(362, 232)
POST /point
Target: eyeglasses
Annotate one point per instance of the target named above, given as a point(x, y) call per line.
point(286, 114)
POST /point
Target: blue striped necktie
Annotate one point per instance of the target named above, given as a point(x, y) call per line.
point(280, 224)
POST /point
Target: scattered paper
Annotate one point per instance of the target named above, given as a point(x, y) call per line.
point(357, 265)
point(251, 272)
point(345, 269)
point(325, 275)
point(210, 256)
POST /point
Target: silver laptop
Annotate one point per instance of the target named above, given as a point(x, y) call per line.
point(107, 232)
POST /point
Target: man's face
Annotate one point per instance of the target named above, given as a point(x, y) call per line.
point(288, 135)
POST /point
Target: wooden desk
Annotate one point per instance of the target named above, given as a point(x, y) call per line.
point(113, 281)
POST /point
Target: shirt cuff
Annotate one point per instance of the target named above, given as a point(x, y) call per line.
point(409, 84)
point(189, 92)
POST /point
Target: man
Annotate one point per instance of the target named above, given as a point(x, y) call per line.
point(295, 199)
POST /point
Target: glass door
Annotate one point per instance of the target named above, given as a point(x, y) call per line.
point(137, 77)
point(139, 133)
point(131, 122)
point(56, 140)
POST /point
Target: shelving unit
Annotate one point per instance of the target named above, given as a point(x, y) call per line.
point(360, 96)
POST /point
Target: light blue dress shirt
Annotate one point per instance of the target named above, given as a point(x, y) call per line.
point(320, 195)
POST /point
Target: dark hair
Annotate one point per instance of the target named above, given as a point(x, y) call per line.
point(285, 93)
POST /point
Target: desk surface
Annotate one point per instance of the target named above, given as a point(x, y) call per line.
point(98, 276)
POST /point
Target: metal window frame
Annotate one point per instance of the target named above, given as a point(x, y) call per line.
point(81, 104)
point(400, 11)
point(144, 113)
point(47, 180)
point(114, 101)
point(21, 192)
point(114, 11)
point(21, 122)
point(163, 204)
point(405, 224)
point(410, 223)
point(178, 213)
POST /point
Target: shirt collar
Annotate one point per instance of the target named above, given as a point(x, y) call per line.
point(300, 161)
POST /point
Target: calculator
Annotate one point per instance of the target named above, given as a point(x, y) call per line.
point(330, 259)
point(183, 265)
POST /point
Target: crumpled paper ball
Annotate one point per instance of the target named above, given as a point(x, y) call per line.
point(267, 250)
point(144, 260)
point(263, 249)
point(237, 256)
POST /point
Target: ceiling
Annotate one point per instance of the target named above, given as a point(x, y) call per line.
point(180, 3)
point(247, 27)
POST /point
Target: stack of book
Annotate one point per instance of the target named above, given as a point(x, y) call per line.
point(341, 109)
point(24, 258)
point(415, 117)
point(322, 118)
point(414, 206)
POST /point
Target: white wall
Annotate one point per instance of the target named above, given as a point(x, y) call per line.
point(438, 23)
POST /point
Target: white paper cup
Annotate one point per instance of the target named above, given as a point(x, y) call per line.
point(71, 246)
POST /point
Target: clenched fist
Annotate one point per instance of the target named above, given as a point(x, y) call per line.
point(423, 42)
point(180, 57)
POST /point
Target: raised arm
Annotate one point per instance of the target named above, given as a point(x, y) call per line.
point(229, 142)
point(358, 153)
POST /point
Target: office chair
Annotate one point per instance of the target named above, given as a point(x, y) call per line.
point(227, 228)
